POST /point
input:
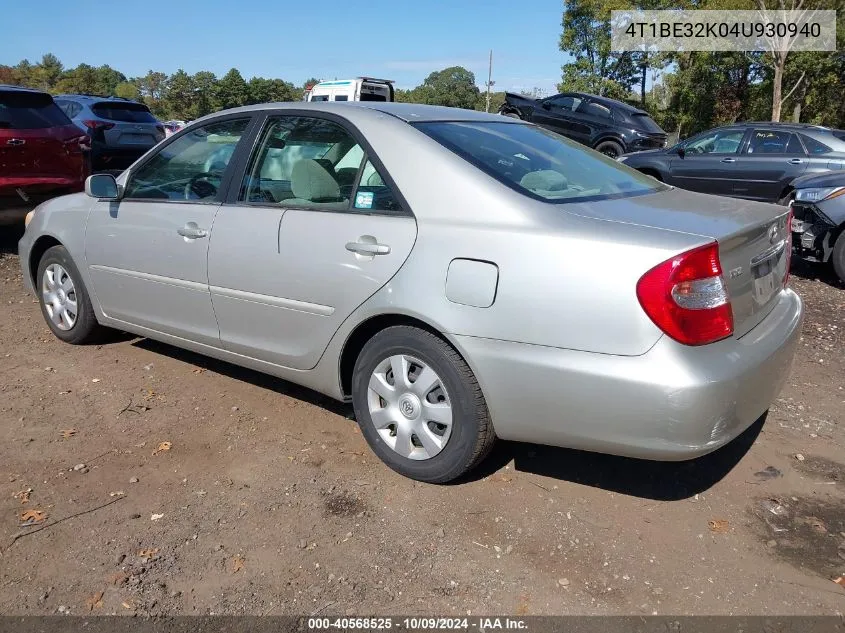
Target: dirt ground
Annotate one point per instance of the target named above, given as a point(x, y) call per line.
point(268, 500)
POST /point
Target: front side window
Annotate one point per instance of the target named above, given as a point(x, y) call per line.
point(191, 167)
point(715, 142)
point(565, 102)
point(539, 163)
point(774, 142)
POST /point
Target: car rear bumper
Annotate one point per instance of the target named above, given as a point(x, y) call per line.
point(672, 403)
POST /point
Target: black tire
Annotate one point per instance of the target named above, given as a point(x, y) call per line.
point(85, 329)
point(611, 149)
point(472, 434)
point(837, 257)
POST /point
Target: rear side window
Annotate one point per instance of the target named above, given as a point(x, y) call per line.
point(29, 111)
point(814, 147)
point(69, 107)
point(774, 142)
point(127, 112)
point(341, 98)
point(539, 163)
point(595, 110)
point(645, 123)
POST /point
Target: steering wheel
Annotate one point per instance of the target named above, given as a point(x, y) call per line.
point(200, 188)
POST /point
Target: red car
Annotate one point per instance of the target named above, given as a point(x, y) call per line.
point(42, 153)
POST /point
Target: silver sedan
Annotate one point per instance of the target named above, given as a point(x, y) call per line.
point(457, 276)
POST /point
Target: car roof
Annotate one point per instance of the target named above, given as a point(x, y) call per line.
point(352, 110)
point(9, 88)
point(89, 97)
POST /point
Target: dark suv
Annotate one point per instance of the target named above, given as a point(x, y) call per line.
point(120, 130)
point(608, 126)
point(757, 161)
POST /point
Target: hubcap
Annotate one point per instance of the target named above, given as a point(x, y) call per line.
point(59, 296)
point(409, 407)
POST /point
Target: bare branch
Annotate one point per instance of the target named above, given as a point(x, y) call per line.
point(797, 83)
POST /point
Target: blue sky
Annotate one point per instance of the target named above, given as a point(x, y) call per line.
point(294, 39)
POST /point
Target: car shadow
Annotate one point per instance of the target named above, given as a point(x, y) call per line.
point(814, 271)
point(660, 481)
point(9, 237)
point(663, 481)
point(265, 381)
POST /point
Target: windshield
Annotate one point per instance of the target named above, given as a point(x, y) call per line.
point(539, 163)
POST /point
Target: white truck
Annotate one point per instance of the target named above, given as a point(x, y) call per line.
point(358, 89)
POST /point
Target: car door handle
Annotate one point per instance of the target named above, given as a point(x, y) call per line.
point(367, 248)
point(192, 232)
point(729, 160)
point(795, 161)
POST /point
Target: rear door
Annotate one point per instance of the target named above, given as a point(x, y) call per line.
point(133, 126)
point(593, 118)
point(708, 164)
point(558, 115)
point(770, 161)
point(299, 248)
point(39, 146)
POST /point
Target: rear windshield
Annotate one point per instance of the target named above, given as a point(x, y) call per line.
point(540, 163)
point(131, 112)
point(644, 122)
point(30, 111)
point(369, 96)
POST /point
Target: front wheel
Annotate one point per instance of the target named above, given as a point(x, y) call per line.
point(64, 301)
point(611, 149)
point(419, 405)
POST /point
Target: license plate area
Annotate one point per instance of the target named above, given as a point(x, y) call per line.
point(767, 273)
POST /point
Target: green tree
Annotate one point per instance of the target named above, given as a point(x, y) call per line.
point(180, 97)
point(106, 79)
point(45, 74)
point(231, 91)
point(82, 79)
point(127, 90)
point(454, 87)
point(205, 83)
point(263, 90)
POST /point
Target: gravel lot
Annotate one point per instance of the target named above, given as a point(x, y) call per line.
point(267, 500)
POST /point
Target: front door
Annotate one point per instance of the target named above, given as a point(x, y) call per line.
point(708, 164)
point(315, 231)
point(558, 115)
point(147, 253)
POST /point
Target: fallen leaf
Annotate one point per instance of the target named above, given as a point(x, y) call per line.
point(156, 517)
point(118, 578)
point(164, 446)
point(95, 601)
point(127, 605)
point(718, 525)
point(33, 516)
point(150, 394)
point(816, 523)
point(23, 495)
point(237, 564)
point(199, 370)
point(148, 554)
point(117, 493)
point(68, 433)
point(95, 380)
point(839, 581)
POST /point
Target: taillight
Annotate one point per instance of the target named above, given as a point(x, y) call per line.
point(686, 297)
point(97, 125)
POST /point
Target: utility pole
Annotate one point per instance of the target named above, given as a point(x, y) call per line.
point(490, 81)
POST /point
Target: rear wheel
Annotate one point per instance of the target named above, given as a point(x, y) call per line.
point(837, 257)
point(64, 301)
point(419, 405)
point(610, 148)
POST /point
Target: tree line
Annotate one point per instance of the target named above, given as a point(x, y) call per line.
point(694, 91)
point(187, 96)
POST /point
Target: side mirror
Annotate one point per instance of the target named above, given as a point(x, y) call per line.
point(681, 151)
point(102, 187)
point(546, 105)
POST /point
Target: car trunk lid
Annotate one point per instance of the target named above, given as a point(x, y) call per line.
point(753, 241)
point(132, 124)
